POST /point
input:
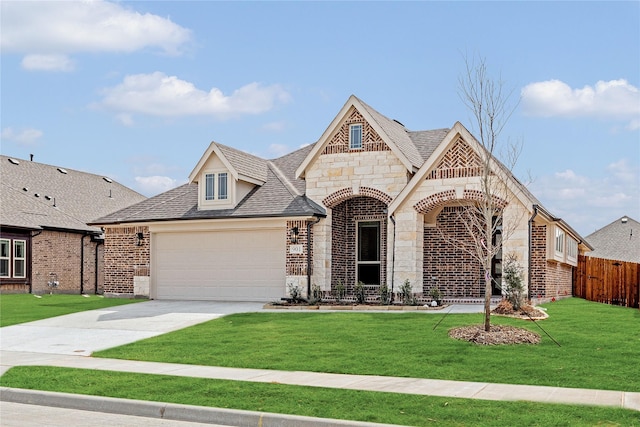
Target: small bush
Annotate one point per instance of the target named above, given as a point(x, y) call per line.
point(295, 293)
point(513, 282)
point(339, 292)
point(316, 295)
point(359, 291)
point(406, 294)
point(436, 295)
point(385, 295)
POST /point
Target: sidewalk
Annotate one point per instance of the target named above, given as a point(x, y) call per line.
point(429, 387)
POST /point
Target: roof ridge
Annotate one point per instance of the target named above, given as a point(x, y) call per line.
point(283, 179)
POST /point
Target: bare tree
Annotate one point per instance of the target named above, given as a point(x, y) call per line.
point(489, 104)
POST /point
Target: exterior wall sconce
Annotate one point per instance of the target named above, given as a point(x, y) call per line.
point(294, 235)
point(140, 236)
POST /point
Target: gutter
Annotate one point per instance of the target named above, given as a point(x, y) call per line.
point(309, 226)
point(535, 213)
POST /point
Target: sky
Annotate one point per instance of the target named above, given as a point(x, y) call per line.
point(137, 90)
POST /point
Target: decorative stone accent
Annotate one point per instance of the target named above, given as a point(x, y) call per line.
point(435, 200)
point(459, 162)
point(479, 196)
point(371, 141)
point(338, 197)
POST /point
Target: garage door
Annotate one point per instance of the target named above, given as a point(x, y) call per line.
point(222, 265)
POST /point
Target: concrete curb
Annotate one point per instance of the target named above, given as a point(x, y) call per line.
point(171, 411)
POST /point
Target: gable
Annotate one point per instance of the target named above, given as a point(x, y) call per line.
point(459, 161)
point(339, 143)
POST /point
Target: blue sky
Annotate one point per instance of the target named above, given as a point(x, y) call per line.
point(137, 90)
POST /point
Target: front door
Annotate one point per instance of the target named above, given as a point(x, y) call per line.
point(368, 247)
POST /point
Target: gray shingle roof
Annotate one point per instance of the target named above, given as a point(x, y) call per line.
point(245, 163)
point(619, 241)
point(398, 134)
point(273, 199)
point(79, 197)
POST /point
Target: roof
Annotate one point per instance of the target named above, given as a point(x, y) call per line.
point(36, 195)
point(242, 165)
point(619, 241)
point(273, 199)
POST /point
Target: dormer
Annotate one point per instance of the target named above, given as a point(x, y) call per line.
point(225, 176)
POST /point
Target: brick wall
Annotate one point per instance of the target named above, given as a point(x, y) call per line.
point(371, 141)
point(455, 272)
point(537, 285)
point(124, 258)
point(60, 253)
point(345, 217)
point(297, 263)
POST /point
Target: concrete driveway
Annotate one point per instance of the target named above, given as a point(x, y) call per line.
point(83, 333)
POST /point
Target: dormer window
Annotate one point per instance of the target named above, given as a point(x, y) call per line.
point(355, 137)
point(216, 186)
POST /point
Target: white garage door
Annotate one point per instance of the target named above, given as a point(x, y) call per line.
point(222, 265)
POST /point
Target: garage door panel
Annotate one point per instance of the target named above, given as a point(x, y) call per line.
point(241, 265)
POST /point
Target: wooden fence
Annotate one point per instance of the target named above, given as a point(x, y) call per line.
point(607, 281)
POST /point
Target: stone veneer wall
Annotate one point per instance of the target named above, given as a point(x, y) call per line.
point(343, 247)
point(60, 253)
point(455, 272)
point(124, 259)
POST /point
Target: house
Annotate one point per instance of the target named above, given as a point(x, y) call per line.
point(618, 241)
point(368, 202)
point(44, 237)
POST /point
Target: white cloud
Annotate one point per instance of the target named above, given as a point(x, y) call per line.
point(158, 94)
point(64, 27)
point(615, 99)
point(21, 137)
point(151, 185)
point(53, 62)
point(588, 203)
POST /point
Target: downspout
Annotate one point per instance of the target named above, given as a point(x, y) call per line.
point(30, 258)
point(309, 225)
point(82, 263)
point(535, 213)
point(98, 243)
point(393, 255)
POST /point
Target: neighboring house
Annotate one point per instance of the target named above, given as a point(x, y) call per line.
point(44, 236)
point(367, 202)
point(618, 241)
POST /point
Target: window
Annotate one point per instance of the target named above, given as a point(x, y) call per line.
point(216, 186)
point(572, 248)
point(559, 241)
point(368, 263)
point(19, 258)
point(5, 258)
point(355, 137)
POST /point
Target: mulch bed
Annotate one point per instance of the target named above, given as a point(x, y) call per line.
point(497, 335)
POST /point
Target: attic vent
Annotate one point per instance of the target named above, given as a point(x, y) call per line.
point(109, 180)
point(64, 171)
point(37, 194)
point(25, 188)
point(13, 161)
point(624, 220)
point(47, 197)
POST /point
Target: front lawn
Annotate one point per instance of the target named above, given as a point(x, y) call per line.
point(355, 405)
point(21, 308)
point(599, 348)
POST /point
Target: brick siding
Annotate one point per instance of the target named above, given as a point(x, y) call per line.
point(549, 279)
point(60, 253)
point(455, 272)
point(371, 141)
point(343, 244)
point(124, 259)
point(296, 264)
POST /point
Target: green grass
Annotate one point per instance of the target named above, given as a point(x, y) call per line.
point(21, 308)
point(366, 406)
point(599, 348)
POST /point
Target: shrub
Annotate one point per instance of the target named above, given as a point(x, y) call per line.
point(436, 295)
point(316, 295)
point(407, 294)
point(385, 295)
point(513, 282)
point(339, 291)
point(295, 293)
point(359, 291)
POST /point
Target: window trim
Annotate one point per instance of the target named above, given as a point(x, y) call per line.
point(212, 181)
point(559, 241)
point(23, 258)
point(8, 257)
point(352, 127)
point(378, 262)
